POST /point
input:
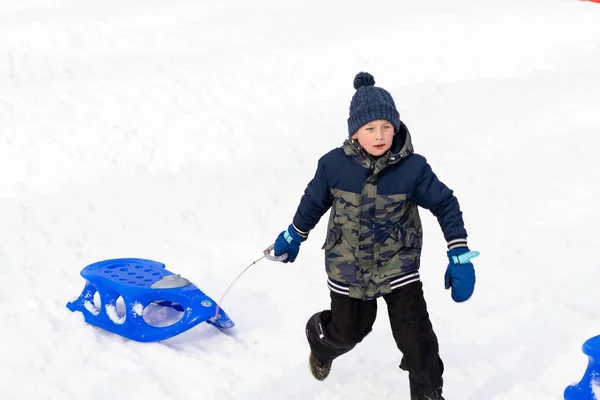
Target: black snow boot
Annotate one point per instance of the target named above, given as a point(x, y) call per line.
point(318, 369)
point(436, 395)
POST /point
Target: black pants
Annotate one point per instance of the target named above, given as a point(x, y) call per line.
point(334, 332)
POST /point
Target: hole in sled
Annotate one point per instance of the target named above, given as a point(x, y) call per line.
point(92, 301)
point(162, 313)
point(116, 310)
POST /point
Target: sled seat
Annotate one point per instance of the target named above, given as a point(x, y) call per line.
point(139, 283)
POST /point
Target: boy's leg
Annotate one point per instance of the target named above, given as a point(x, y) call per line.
point(414, 335)
point(331, 333)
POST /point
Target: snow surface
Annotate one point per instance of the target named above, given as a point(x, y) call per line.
point(185, 132)
point(595, 387)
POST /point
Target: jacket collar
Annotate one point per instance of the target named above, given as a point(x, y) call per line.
point(401, 147)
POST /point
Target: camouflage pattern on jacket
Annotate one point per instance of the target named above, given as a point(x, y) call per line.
point(372, 238)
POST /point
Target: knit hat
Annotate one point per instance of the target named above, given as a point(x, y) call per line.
point(370, 103)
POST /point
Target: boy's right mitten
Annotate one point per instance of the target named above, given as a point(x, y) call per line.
point(288, 242)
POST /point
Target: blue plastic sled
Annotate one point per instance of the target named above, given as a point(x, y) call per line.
point(141, 283)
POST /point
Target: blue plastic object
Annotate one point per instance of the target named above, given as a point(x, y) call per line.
point(584, 389)
point(141, 283)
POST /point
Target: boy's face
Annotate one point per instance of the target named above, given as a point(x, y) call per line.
point(375, 137)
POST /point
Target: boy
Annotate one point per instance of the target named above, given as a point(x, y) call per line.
point(373, 185)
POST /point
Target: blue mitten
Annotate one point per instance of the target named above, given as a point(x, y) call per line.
point(288, 242)
point(460, 274)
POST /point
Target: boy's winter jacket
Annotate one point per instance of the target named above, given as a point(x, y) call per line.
point(374, 236)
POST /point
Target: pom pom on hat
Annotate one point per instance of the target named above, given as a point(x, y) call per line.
point(363, 79)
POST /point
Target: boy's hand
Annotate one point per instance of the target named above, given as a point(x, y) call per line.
point(288, 242)
point(460, 274)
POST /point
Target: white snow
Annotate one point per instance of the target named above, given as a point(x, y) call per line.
point(91, 307)
point(114, 314)
point(596, 387)
point(186, 131)
point(138, 309)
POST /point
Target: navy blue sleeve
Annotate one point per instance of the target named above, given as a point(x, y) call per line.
point(315, 202)
point(432, 194)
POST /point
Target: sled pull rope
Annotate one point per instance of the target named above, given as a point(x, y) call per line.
point(267, 255)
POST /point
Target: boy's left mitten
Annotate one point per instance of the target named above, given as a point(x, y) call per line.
point(460, 274)
point(288, 242)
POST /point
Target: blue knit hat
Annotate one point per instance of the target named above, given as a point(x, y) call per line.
point(370, 103)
